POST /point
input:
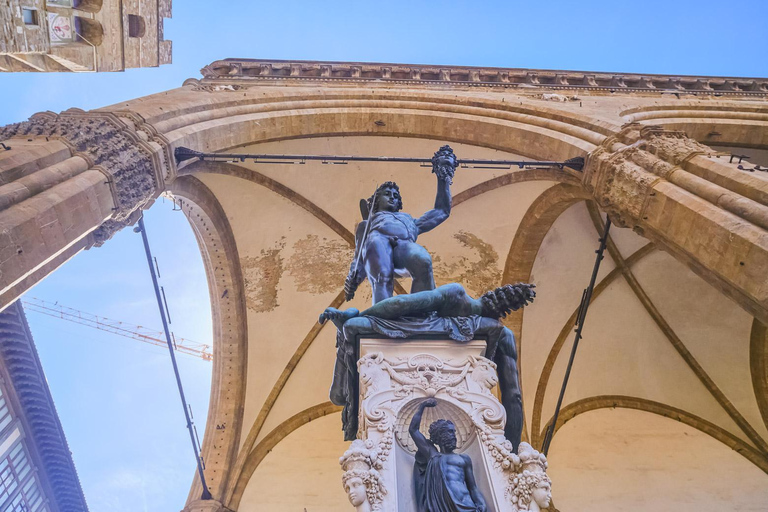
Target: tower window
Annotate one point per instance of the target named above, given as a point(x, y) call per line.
point(136, 26)
point(29, 16)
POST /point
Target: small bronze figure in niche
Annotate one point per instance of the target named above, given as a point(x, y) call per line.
point(443, 480)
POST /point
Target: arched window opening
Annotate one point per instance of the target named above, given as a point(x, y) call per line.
point(136, 26)
point(87, 5)
point(89, 30)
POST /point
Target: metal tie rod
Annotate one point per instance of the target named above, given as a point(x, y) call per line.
point(182, 154)
point(141, 229)
point(586, 298)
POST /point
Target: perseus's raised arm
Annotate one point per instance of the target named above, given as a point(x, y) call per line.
point(444, 164)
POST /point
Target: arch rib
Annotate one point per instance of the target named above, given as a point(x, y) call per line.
point(673, 338)
point(567, 329)
point(758, 365)
point(266, 445)
point(276, 390)
point(230, 332)
point(641, 404)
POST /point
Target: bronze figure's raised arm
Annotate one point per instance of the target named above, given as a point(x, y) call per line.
point(385, 241)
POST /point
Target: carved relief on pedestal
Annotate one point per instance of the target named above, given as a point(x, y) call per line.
point(531, 488)
point(361, 479)
point(396, 377)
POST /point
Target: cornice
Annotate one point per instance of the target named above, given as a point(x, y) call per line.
point(261, 70)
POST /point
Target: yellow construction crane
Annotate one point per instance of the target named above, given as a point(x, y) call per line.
point(136, 332)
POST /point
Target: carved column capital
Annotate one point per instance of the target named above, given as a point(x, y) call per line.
point(623, 171)
point(134, 158)
point(205, 506)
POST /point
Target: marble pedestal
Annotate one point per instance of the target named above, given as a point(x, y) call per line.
point(395, 376)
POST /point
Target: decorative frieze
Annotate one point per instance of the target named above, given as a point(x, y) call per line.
point(623, 171)
point(491, 77)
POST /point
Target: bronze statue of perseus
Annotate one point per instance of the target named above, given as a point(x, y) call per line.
point(385, 241)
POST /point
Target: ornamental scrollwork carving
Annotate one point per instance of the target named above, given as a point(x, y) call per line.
point(623, 171)
point(391, 389)
point(121, 145)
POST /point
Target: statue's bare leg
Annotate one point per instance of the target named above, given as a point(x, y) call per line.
point(379, 267)
point(505, 358)
point(418, 262)
point(511, 398)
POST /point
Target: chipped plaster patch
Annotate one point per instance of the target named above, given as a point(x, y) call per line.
point(261, 275)
point(477, 276)
point(319, 265)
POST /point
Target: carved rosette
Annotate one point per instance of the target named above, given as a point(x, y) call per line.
point(134, 158)
point(394, 382)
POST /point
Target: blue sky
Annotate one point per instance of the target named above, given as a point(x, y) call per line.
point(116, 397)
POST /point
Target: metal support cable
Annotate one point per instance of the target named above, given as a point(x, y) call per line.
point(586, 298)
point(141, 229)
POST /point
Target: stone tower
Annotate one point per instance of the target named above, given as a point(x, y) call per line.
point(83, 35)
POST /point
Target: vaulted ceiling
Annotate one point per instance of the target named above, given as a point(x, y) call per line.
point(664, 407)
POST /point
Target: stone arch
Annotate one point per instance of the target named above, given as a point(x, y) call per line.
point(641, 404)
point(515, 177)
point(536, 223)
point(257, 455)
point(715, 123)
point(758, 365)
point(540, 139)
point(230, 345)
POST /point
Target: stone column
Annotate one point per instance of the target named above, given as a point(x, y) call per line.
point(690, 201)
point(69, 182)
point(205, 506)
point(395, 377)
